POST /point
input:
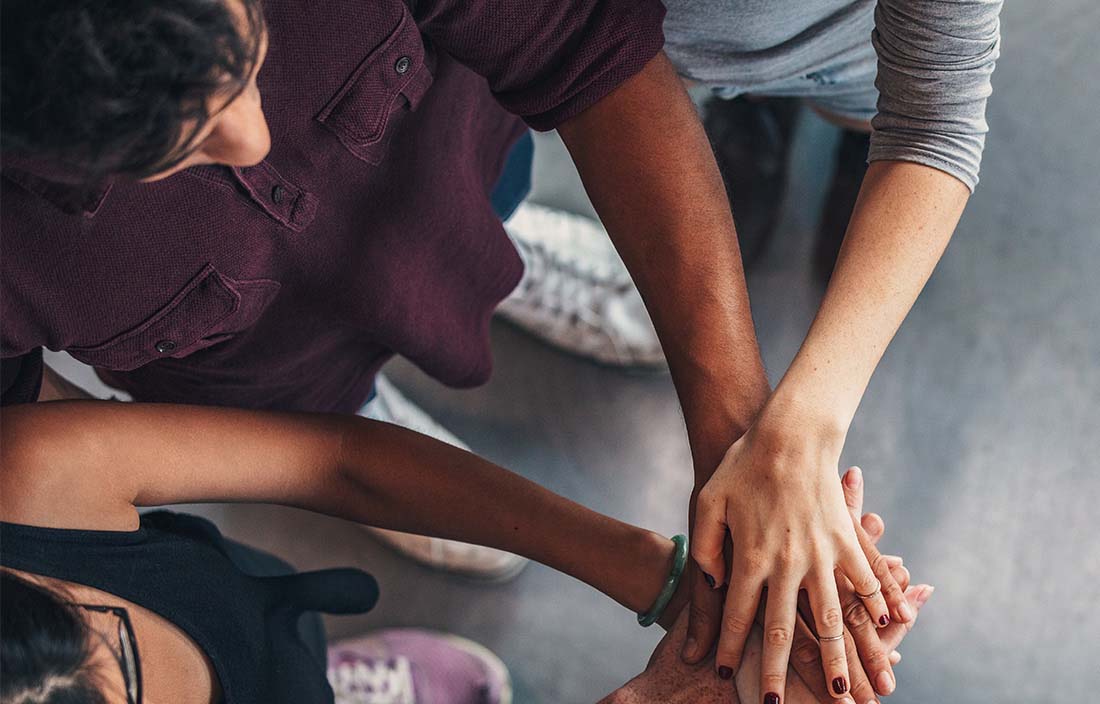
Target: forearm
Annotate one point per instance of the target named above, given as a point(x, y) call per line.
point(99, 460)
point(903, 220)
point(648, 168)
point(410, 482)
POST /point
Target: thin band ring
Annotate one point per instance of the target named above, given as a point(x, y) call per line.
point(830, 639)
point(872, 595)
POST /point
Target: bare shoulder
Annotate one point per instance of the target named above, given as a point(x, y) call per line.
point(55, 472)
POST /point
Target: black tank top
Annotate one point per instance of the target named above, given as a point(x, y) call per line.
point(176, 566)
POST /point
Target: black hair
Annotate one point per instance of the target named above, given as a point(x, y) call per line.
point(44, 647)
point(105, 87)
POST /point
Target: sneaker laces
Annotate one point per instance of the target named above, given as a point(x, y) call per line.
point(574, 288)
point(373, 682)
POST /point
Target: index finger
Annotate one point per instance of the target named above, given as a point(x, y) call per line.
point(852, 482)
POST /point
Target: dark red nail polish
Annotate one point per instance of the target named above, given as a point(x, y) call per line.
point(710, 580)
point(771, 698)
point(725, 672)
point(839, 685)
point(884, 621)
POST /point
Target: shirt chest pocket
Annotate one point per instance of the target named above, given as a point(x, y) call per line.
point(212, 308)
point(388, 83)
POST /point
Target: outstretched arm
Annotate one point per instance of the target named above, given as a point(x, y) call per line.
point(88, 464)
point(647, 165)
point(935, 62)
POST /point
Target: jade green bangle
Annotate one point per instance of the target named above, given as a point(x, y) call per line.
point(680, 542)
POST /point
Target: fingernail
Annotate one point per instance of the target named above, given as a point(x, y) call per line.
point(884, 683)
point(710, 580)
point(725, 672)
point(854, 477)
point(689, 649)
point(925, 595)
point(906, 612)
point(839, 685)
point(771, 698)
point(884, 620)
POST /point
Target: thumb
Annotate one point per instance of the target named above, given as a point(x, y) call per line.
point(853, 491)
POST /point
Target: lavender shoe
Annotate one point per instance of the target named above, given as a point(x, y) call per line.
point(410, 666)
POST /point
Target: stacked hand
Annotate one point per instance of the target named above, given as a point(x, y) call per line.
point(870, 650)
point(779, 502)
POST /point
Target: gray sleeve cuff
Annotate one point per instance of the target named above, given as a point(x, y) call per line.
point(935, 61)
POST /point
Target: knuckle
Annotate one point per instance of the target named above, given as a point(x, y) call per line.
point(867, 584)
point(736, 623)
point(698, 616)
point(707, 497)
point(879, 565)
point(830, 619)
point(862, 691)
point(856, 614)
point(806, 653)
point(773, 682)
point(755, 561)
point(891, 587)
point(699, 554)
point(777, 636)
point(784, 563)
point(842, 536)
point(788, 557)
point(875, 657)
point(837, 662)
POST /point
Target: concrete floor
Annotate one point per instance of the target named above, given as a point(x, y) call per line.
point(979, 434)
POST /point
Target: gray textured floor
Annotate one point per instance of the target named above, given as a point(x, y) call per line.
point(979, 433)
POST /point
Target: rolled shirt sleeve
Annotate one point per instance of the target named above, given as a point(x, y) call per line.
point(547, 60)
point(935, 61)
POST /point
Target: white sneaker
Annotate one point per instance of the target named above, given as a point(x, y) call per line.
point(474, 561)
point(576, 293)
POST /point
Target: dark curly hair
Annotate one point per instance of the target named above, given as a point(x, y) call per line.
point(104, 87)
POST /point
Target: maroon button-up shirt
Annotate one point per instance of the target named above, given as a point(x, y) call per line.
point(367, 231)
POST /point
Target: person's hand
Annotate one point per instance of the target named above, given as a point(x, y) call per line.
point(667, 679)
point(780, 502)
point(869, 660)
point(797, 690)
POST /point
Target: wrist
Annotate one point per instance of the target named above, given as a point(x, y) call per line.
point(716, 417)
point(792, 419)
point(653, 563)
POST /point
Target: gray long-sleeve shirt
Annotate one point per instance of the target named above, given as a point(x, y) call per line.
point(934, 59)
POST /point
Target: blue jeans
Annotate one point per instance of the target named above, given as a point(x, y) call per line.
point(515, 181)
